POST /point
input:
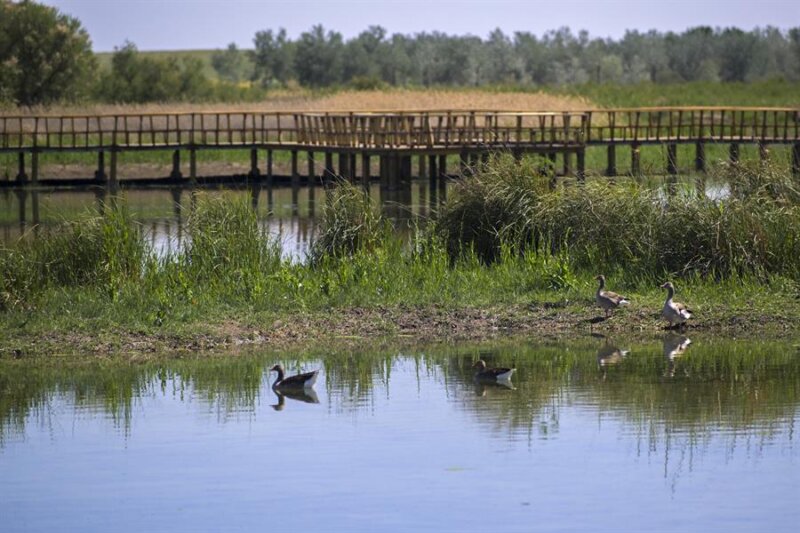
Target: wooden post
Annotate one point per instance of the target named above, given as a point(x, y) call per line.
point(351, 165)
point(733, 152)
point(295, 178)
point(611, 167)
point(176, 165)
point(763, 152)
point(344, 163)
point(365, 169)
point(100, 173)
point(193, 165)
point(312, 172)
point(636, 160)
point(269, 168)
point(404, 166)
point(254, 172)
point(421, 167)
point(433, 174)
point(21, 176)
point(796, 160)
point(567, 163)
point(700, 157)
point(330, 172)
point(443, 165)
point(35, 208)
point(672, 159)
point(581, 161)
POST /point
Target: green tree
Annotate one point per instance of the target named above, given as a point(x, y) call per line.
point(45, 55)
point(272, 57)
point(230, 64)
point(319, 57)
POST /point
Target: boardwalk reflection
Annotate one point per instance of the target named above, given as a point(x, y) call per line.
point(289, 213)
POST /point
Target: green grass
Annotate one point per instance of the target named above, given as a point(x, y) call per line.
point(504, 239)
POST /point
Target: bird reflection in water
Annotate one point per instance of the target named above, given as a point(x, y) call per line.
point(486, 388)
point(609, 354)
point(674, 347)
point(301, 395)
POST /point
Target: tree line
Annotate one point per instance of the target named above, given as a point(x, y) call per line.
point(46, 57)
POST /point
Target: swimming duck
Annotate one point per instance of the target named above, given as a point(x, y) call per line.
point(482, 373)
point(675, 313)
point(606, 299)
point(300, 381)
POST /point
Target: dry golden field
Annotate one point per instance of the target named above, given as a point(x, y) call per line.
point(386, 100)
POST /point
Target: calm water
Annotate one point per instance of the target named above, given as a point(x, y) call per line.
point(668, 436)
point(290, 214)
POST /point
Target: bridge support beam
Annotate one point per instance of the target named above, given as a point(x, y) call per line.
point(433, 174)
point(733, 153)
point(796, 160)
point(580, 156)
point(176, 165)
point(611, 167)
point(636, 160)
point(254, 172)
point(421, 166)
point(700, 157)
point(100, 174)
point(34, 167)
point(567, 163)
point(344, 165)
point(443, 165)
point(672, 159)
point(330, 171)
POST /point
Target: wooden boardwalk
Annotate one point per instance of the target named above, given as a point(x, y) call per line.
point(396, 136)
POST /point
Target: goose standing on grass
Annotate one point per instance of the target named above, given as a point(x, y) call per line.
point(482, 373)
point(608, 300)
point(300, 381)
point(675, 313)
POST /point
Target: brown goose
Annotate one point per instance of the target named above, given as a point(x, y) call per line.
point(673, 312)
point(300, 381)
point(482, 373)
point(608, 300)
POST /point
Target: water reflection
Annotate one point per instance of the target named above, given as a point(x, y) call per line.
point(647, 421)
point(301, 395)
point(288, 212)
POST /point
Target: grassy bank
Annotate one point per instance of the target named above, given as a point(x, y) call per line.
point(505, 253)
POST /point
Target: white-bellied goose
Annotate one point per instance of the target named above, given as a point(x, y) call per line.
point(300, 381)
point(608, 300)
point(482, 373)
point(675, 313)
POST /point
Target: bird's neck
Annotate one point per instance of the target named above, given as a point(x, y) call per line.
point(670, 294)
point(279, 370)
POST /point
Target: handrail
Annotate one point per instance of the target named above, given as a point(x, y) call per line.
point(419, 130)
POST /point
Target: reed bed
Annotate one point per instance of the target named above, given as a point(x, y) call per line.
point(504, 236)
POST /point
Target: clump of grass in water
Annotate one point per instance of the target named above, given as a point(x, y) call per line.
point(626, 227)
point(349, 223)
point(227, 245)
point(103, 251)
point(493, 207)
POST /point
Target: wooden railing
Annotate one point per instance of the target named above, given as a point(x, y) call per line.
point(325, 130)
point(422, 130)
point(694, 124)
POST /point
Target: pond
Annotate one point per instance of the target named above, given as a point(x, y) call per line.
point(593, 434)
point(289, 214)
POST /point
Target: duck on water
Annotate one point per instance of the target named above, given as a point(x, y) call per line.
point(299, 381)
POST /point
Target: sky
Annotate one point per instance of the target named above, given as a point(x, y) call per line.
point(209, 24)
